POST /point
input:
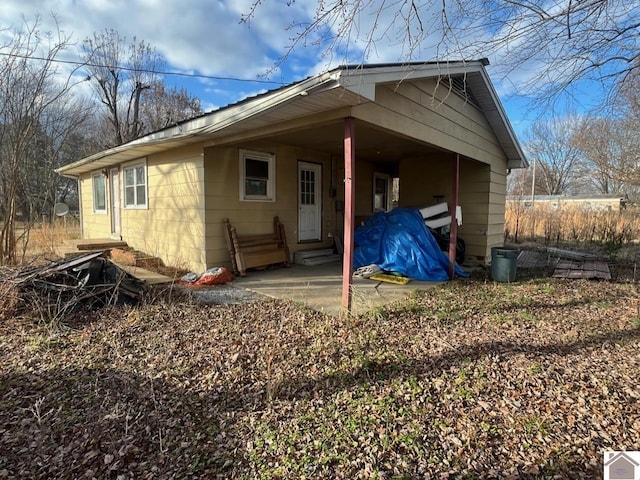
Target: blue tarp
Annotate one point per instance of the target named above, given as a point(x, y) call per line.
point(399, 241)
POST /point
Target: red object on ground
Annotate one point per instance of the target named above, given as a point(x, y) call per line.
point(215, 276)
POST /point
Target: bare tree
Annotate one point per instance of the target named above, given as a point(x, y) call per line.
point(127, 78)
point(31, 89)
point(605, 145)
point(550, 144)
point(559, 42)
point(627, 108)
point(610, 144)
point(54, 144)
point(120, 73)
point(519, 182)
point(164, 106)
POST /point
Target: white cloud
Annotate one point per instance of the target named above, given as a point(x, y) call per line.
point(196, 35)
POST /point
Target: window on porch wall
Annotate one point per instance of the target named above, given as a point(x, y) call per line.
point(257, 176)
point(381, 192)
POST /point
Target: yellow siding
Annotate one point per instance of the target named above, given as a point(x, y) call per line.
point(173, 226)
point(364, 188)
point(481, 196)
point(94, 225)
point(445, 121)
point(222, 198)
point(422, 178)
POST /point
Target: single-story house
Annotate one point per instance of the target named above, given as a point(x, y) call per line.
point(437, 131)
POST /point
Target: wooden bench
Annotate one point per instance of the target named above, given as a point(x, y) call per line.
point(256, 250)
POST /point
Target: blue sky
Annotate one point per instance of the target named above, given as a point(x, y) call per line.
point(207, 38)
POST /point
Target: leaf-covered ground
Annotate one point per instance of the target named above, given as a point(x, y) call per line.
point(471, 379)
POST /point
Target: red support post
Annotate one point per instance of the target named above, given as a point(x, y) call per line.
point(349, 212)
point(453, 234)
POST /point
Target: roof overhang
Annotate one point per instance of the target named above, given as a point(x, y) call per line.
point(342, 87)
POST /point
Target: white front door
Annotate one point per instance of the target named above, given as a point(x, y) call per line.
point(114, 184)
point(309, 201)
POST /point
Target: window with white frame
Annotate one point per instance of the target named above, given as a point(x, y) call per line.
point(135, 185)
point(99, 181)
point(257, 176)
point(381, 192)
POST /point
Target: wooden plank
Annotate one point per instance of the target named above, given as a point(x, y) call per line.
point(99, 244)
point(433, 210)
point(532, 259)
point(385, 277)
point(263, 258)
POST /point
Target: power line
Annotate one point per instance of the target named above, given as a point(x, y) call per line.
point(129, 69)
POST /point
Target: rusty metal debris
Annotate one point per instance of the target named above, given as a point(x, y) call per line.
point(90, 280)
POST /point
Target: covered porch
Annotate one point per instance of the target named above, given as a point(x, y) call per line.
point(366, 163)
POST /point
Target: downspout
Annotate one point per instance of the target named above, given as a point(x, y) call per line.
point(349, 211)
point(453, 234)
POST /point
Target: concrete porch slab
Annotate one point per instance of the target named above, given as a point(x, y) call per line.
point(320, 287)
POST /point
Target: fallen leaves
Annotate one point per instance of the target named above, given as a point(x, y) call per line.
point(469, 379)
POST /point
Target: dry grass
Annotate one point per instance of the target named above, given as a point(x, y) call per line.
point(41, 239)
point(576, 226)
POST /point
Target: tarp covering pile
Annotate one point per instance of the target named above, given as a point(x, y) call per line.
point(399, 241)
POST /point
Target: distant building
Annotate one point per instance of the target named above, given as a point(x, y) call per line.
point(568, 202)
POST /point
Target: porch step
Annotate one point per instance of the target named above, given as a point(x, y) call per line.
point(72, 247)
point(134, 258)
point(99, 244)
point(315, 257)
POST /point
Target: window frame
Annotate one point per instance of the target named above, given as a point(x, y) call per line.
point(134, 165)
point(387, 178)
point(103, 177)
point(270, 158)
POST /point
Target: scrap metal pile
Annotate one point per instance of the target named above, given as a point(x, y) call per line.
point(90, 280)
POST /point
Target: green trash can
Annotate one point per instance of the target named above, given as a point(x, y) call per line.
point(504, 262)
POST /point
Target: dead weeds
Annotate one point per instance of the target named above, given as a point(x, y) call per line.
point(469, 380)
